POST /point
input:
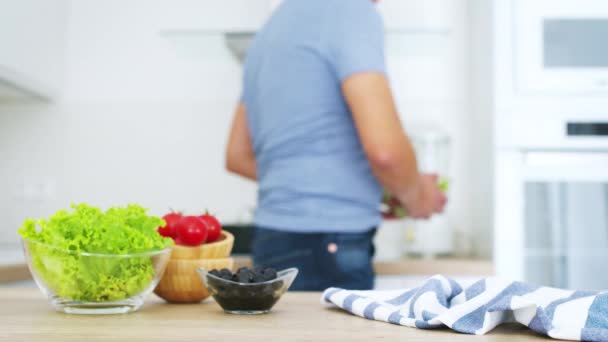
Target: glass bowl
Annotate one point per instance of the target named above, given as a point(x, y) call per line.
point(248, 299)
point(87, 283)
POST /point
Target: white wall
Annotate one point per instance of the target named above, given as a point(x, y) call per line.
point(481, 97)
point(140, 121)
point(145, 119)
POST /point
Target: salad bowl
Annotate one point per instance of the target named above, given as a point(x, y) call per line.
point(87, 283)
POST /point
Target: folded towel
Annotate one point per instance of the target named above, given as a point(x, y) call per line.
point(479, 308)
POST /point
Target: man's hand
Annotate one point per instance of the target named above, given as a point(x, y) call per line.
point(424, 199)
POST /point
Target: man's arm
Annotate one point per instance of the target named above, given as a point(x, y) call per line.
point(386, 145)
point(240, 157)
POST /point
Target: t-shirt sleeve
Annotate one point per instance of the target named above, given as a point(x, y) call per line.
point(243, 98)
point(354, 38)
point(246, 79)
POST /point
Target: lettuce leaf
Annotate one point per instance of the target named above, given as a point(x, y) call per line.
point(56, 246)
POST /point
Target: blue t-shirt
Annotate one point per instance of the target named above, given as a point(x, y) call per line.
point(312, 171)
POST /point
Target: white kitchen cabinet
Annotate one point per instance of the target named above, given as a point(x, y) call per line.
point(32, 48)
point(432, 16)
point(428, 16)
point(414, 16)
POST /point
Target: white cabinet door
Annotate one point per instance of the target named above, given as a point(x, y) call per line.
point(413, 15)
point(418, 15)
point(32, 44)
point(250, 15)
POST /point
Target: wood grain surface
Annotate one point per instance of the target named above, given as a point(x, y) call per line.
point(25, 315)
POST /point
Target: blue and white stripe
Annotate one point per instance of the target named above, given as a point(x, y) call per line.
point(479, 308)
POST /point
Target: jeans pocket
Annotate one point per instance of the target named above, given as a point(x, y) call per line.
point(354, 253)
point(352, 260)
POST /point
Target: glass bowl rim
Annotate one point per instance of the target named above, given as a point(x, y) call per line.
point(87, 254)
point(280, 276)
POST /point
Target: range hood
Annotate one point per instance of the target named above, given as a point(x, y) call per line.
point(198, 42)
point(238, 43)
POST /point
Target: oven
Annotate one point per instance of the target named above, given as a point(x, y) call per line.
point(551, 204)
point(560, 46)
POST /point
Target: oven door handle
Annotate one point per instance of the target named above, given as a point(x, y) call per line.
point(569, 159)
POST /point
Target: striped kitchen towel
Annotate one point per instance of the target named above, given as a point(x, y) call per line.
point(480, 307)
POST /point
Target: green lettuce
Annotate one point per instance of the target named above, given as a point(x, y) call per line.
point(444, 185)
point(57, 245)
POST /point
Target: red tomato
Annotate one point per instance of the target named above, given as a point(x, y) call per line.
point(213, 225)
point(169, 230)
point(191, 231)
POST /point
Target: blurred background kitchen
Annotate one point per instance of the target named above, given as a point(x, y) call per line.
point(111, 102)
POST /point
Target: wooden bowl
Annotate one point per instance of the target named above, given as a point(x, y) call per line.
point(182, 284)
point(216, 250)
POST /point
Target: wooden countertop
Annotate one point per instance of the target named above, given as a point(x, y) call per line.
point(25, 315)
point(14, 272)
point(421, 267)
point(429, 267)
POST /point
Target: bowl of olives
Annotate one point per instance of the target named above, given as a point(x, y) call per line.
point(248, 291)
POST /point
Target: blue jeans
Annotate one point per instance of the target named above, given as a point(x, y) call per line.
point(324, 259)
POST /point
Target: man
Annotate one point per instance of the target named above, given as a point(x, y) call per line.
point(318, 129)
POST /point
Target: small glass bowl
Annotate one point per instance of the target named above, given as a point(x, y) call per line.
point(248, 299)
point(87, 283)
